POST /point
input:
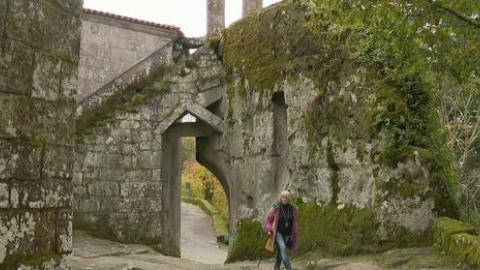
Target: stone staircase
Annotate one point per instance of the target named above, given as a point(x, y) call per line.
point(133, 78)
point(94, 107)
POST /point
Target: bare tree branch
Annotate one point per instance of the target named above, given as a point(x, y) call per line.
point(457, 14)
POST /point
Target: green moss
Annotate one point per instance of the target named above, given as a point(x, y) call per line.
point(136, 94)
point(445, 227)
point(38, 261)
point(250, 242)
point(466, 248)
point(443, 180)
point(153, 242)
point(403, 187)
point(267, 46)
point(348, 231)
point(214, 43)
point(39, 141)
point(35, 260)
point(335, 172)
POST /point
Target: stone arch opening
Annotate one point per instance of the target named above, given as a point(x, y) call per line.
point(171, 168)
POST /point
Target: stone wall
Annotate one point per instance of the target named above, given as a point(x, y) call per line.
point(110, 46)
point(303, 118)
point(39, 49)
point(127, 179)
point(296, 115)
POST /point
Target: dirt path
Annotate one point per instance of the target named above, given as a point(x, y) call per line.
point(198, 240)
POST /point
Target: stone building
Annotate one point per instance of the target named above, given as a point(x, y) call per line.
point(271, 115)
point(111, 44)
point(42, 64)
point(38, 84)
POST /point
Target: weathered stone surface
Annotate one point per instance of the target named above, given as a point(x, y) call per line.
point(110, 47)
point(55, 191)
point(16, 67)
point(58, 38)
point(215, 17)
point(46, 67)
point(68, 88)
point(43, 121)
point(58, 162)
point(20, 21)
point(71, 6)
point(37, 77)
point(26, 234)
point(64, 231)
point(208, 97)
point(3, 16)
point(30, 195)
point(19, 160)
point(4, 195)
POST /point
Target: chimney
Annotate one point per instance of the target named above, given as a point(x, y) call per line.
point(215, 17)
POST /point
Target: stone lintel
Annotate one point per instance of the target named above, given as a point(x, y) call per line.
point(198, 111)
point(192, 129)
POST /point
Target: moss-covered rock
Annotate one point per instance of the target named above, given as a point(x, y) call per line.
point(458, 239)
point(466, 248)
point(267, 46)
point(347, 230)
point(40, 260)
point(250, 242)
point(370, 124)
point(139, 93)
point(446, 227)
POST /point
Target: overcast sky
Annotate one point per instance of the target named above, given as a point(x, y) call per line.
point(189, 15)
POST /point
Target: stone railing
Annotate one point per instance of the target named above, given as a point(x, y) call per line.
point(133, 77)
point(458, 240)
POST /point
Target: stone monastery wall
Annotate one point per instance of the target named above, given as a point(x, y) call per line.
point(39, 50)
point(128, 165)
point(111, 44)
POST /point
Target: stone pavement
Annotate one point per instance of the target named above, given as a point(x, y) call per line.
point(97, 254)
point(201, 252)
point(198, 240)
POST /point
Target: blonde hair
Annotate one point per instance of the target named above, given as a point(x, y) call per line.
point(286, 193)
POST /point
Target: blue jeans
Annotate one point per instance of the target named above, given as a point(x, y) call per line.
point(282, 254)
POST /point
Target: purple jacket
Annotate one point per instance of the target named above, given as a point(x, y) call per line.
point(271, 224)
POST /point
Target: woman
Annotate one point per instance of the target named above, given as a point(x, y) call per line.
point(282, 224)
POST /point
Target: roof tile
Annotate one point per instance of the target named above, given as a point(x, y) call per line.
point(166, 27)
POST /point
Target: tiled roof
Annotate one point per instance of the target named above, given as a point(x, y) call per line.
point(166, 27)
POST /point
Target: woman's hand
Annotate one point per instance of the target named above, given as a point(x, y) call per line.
point(269, 233)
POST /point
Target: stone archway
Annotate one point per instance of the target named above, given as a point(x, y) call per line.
point(207, 125)
point(128, 165)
